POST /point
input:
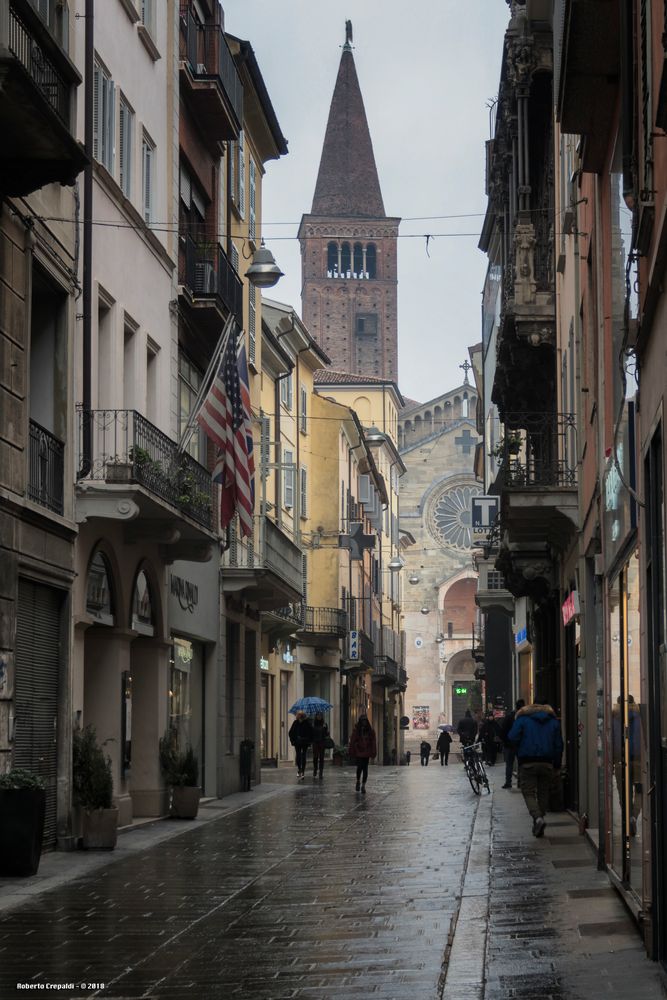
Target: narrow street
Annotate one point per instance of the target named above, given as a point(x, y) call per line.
point(309, 890)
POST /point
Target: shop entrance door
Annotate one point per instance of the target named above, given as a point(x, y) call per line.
point(657, 679)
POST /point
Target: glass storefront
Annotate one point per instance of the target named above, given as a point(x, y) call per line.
point(626, 790)
point(186, 694)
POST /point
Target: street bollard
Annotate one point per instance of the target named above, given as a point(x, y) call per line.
point(246, 755)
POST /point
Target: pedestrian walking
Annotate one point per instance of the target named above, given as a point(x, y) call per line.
point(488, 734)
point(509, 748)
point(442, 746)
point(320, 734)
point(363, 747)
point(467, 729)
point(536, 733)
point(424, 752)
point(301, 736)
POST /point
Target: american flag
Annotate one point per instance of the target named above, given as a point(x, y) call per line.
point(225, 418)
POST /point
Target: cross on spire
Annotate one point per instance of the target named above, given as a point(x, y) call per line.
point(466, 366)
point(348, 35)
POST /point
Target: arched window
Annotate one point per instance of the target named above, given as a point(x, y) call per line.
point(464, 405)
point(142, 607)
point(99, 598)
point(371, 261)
point(358, 261)
point(332, 260)
point(346, 262)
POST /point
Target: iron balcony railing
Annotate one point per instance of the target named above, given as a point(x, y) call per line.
point(46, 464)
point(318, 621)
point(385, 669)
point(367, 649)
point(478, 642)
point(125, 447)
point(38, 52)
point(268, 549)
point(402, 678)
point(208, 54)
point(537, 451)
point(210, 274)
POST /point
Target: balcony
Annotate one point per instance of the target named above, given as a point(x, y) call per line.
point(539, 511)
point(305, 621)
point(478, 642)
point(492, 594)
point(211, 287)
point(266, 569)
point(134, 471)
point(45, 469)
point(37, 108)
point(209, 79)
point(586, 70)
point(402, 681)
point(385, 671)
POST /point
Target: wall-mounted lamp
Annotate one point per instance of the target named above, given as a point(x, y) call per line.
point(263, 271)
point(439, 637)
point(425, 610)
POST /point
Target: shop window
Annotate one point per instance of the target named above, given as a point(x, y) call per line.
point(142, 607)
point(98, 591)
point(180, 710)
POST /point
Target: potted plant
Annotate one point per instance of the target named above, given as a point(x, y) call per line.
point(93, 791)
point(181, 772)
point(22, 811)
point(339, 756)
point(510, 445)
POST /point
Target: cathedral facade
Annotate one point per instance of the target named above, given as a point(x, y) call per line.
point(437, 443)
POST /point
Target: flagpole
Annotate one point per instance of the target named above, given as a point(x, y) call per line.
point(209, 375)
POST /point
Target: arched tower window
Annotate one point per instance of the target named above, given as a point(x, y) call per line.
point(371, 261)
point(346, 262)
point(358, 261)
point(464, 405)
point(332, 260)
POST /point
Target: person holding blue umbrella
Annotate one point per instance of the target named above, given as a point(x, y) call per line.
point(301, 736)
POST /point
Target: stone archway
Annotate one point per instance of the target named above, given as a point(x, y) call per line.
point(459, 672)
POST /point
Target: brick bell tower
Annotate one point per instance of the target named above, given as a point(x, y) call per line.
point(348, 244)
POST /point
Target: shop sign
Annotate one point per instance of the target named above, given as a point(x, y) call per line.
point(620, 512)
point(263, 664)
point(185, 592)
point(570, 607)
point(460, 690)
point(287, 655)
point(353, 648)
point(483, 511)
point(521, 636)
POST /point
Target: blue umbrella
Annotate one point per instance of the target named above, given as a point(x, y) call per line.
point(447, 729)
point(311, 706)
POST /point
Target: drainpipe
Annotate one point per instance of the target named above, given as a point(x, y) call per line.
point(87, 303)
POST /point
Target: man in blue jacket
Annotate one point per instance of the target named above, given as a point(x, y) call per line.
point(537, 736)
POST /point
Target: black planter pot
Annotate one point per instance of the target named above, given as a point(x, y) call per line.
point(21, 829)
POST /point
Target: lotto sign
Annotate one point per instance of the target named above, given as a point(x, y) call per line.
point(484, 511)
point(353, 651)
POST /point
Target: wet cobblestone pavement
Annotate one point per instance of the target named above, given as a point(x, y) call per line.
point(314, 892)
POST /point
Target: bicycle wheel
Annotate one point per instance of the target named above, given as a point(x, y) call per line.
point(482, 777)
point(473, 775)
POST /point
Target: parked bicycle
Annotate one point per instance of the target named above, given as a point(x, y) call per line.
point(474, 768)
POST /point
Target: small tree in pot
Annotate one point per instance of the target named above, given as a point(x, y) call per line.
point(181, 772)
point(22, 811)
point(93, 791)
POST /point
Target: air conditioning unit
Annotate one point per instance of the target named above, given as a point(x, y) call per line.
point(205, 282)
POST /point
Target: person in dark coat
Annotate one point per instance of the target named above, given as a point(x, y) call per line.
point(510, 749)
point(536, 733)
point(442, 746)
point(363, 746)
point(301, 736)
point(424, 752)
point(467, 729)
point(488, 733)
point(320, 734)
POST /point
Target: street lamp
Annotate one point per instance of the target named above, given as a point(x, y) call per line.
point(395, 564)
point(425, 610)
point(263, 271)
point(375, 436)
point(413, 578)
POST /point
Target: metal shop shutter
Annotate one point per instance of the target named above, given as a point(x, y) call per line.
point(38, 656)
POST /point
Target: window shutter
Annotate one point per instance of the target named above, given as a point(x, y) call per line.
point(304, 410)
point(186, 187)
point(290, 397)
point(252, 323)
point(121, 143)
point(241, 173)
point(304, 492)
point(288, 479)
point(111, 125)
point(364, 489)
point(304, 570)
point(235, 259)
point(252, 177)
point(96, 111)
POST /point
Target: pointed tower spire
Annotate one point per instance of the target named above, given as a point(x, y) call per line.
point(347, 182)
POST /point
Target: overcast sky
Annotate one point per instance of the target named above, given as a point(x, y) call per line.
point(427, 70)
